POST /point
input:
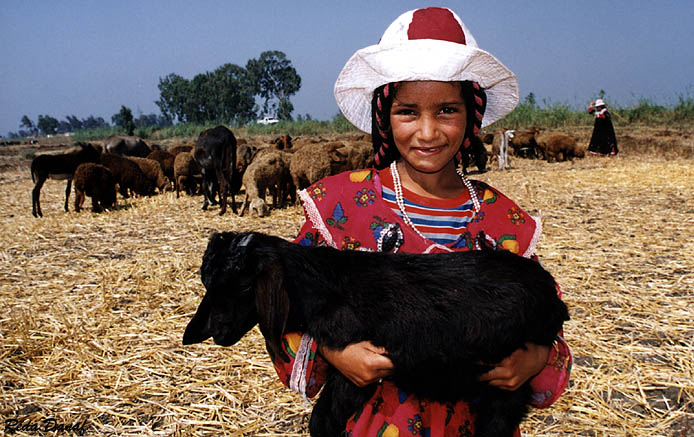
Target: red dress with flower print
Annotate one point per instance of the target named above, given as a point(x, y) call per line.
point(347, 212)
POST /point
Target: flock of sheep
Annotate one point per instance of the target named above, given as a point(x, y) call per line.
point(533, 143)
point(218, 165)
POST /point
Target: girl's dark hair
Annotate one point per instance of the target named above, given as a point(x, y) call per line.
point(382, 135)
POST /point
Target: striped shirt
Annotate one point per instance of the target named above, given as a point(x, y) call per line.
point(439, 220)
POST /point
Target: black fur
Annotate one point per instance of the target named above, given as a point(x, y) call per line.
point(439, 316)
point(215, 151)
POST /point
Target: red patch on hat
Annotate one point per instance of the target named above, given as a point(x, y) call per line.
point(435, 23)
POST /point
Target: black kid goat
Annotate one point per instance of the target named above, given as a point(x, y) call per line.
point(439, 316)
point(61, 166)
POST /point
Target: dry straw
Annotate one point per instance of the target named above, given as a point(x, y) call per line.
point(95, 307)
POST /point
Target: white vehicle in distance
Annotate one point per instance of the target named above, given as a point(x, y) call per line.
point(268, 120)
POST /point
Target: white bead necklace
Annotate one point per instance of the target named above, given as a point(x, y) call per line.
point(399, 199)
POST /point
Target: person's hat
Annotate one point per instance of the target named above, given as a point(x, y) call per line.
point(599, 102)
point(424, 44)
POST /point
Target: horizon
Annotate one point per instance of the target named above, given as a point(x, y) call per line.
point(87, 59)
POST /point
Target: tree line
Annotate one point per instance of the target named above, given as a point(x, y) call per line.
point(225, 95)
point(228, 94)
point(47, 125)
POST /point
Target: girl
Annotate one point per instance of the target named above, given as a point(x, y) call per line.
point(423, 92)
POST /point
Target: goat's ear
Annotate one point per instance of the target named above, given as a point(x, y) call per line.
point(272, 303)
point(198, 330)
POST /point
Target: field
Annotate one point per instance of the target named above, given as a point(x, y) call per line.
point(95, 305)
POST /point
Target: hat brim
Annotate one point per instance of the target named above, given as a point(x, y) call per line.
point(424, 59)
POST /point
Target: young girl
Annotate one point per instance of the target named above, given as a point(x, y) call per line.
point(423, 91)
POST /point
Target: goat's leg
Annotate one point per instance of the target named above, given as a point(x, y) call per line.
point(501, 411)
point(67, 193)
point(340, 399)
point(35, 194)
point(223, 192)
point(95, 205)
point(79, 197)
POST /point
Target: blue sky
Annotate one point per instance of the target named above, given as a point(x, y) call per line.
point(86, 58)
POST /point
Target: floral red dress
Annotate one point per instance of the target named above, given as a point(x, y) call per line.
point(347, 212)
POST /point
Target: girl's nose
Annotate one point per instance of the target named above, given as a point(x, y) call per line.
point(428, 129)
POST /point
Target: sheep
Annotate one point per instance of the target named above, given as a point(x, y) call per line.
point(97, 182)
point(60, 166)
point(166, 160)
point(126, 146)
point(128, 175)
point(554, 145)
point(471, 308)
point(283, 142)
point(313, 162)
point(267, 172)
point(179, 149)
point(524, 143)
point(152, 169)
point(358, 155)
point(244, 155)
point(187, 173)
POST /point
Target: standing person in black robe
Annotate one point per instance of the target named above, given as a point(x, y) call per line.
point(604, 140)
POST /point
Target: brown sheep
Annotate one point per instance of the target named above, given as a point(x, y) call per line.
point(128, 175)
point(524, 143)
point(97, 182)
point(152, 169)
point(359, 155)
point(187, 173)
point(166, 160)
point(556, 145)
point(179, 149)
point(244, 155)
point(126, 146)
point(313, 162)
point(283, 142)
point(267, 172)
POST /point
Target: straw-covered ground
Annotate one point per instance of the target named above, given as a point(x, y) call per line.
point(94, 307)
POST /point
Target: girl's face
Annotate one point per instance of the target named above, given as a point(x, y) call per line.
point(428, 119)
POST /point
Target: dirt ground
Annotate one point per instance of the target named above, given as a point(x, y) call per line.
point(96, 304)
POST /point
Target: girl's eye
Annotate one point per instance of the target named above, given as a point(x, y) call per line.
point(403, 111)
point(449, 110)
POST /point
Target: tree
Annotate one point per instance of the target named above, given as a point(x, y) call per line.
point(74, 123)
point(233, 94)
point(275, 80)
point(173, 95)
point(124, 119)
point(92, 122)
point(225, 95)
point(27, 123)
point(530, 100)
point(47, 124)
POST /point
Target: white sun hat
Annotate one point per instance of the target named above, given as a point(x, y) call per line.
point(599, 102)
point(424, 44)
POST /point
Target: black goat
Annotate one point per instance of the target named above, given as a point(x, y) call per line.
point(439, 316)
point(61, 166)
point(215, 151)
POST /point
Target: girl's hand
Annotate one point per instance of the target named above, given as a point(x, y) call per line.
point(520, 366)
point(362, 363)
